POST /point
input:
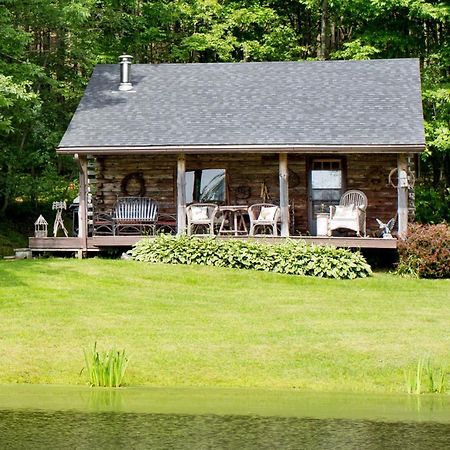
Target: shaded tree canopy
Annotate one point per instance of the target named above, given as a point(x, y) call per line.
point(48, 49)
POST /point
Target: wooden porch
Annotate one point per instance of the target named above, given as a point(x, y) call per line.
point(98, 243)
point(247, 180)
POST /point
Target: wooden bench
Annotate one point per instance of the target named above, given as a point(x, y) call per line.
point(134, 215)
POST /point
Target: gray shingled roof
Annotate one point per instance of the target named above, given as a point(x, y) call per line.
point(373, 102)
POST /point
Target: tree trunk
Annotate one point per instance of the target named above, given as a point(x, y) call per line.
point(325, 31)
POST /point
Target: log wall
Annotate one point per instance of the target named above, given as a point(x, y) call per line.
point(249, 176)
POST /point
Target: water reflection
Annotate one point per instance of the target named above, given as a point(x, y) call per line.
point(104, 400)
point(59, 417)
point(68, 430)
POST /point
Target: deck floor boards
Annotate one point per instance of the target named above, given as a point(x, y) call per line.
point(94, 244)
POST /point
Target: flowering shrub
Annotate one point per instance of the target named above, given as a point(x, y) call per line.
point(290, 257)
point(426, 251)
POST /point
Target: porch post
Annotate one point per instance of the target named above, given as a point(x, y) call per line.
point(181, 194)
point(402, 194)
point(82, 205)
point(284, 194)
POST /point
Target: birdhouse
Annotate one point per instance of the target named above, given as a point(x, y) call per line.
point(40, 227)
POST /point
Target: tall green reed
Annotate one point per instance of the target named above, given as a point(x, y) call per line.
point(105, 369)
point(435, 378)
point(426, 378)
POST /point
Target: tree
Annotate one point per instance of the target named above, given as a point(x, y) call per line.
point(48, 49)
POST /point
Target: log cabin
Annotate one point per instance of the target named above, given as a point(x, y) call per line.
point(295, 134)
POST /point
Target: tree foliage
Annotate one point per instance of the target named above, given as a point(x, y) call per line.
point(48, 49)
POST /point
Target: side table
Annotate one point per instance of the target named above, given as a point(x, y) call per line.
point(233, 221)
point(322, 224)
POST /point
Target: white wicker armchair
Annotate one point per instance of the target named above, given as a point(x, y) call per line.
point(350, 214)
point(200, 216)
point(264, 216)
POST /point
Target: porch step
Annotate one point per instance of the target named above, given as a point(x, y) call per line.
point(22, 253)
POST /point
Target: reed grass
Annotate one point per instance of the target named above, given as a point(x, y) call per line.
point(436, 379)
point(105, 369)
point(426, 378)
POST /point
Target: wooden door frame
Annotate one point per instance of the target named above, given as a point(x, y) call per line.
point(309, 161)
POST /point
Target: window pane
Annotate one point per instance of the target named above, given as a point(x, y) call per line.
point(336, 165)
point(207, 185)
point(190, 186)
point(326, 195)
point(326, 179)
point(212, 187)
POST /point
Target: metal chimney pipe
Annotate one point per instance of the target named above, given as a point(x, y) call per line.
point(125, 73)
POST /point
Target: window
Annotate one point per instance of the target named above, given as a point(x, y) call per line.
point(326, 180)
point(207, 185)
point(325, 189)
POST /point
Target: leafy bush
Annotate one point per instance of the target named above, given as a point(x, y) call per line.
point(290, 257)
point(432, 204)
point(426, 251)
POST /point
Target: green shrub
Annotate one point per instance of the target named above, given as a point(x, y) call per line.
point(105, 369)
point(432, 204)
point(426, 251)
point(289, 257)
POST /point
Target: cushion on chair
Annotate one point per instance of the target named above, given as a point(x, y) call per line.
point(345, 212)
point(199, 213)
point(267, 213)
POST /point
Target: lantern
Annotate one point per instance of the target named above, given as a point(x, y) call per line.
point(40, 227)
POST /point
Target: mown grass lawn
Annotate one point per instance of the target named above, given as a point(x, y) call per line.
point(202, 326)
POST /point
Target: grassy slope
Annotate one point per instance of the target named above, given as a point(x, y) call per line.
point(201, 326)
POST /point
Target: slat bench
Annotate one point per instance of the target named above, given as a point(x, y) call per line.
point(133, 215)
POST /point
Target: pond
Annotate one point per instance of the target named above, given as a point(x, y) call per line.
point(60, 417)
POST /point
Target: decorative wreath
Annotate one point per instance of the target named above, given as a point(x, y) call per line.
point(136, 177)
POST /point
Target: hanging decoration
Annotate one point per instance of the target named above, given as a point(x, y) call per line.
point(264, 194)
point(243, 192)
point(294, 179)
point(127, 188)
point(375, 178)
point(404, 179)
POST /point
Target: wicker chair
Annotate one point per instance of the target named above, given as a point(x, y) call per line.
point(350, 214)
point(264, 216)
point(200, 216)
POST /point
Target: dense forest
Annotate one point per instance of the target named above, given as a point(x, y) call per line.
point(48, 49)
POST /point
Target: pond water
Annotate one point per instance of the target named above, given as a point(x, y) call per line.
point(57, 417)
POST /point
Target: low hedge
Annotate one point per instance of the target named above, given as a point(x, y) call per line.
point(426, 251)
point(289, 257)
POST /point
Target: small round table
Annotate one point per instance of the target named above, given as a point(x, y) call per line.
point(233, 221)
